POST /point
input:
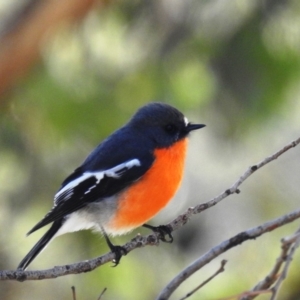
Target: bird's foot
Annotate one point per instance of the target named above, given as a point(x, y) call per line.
point(119, 251)
point(163, 231)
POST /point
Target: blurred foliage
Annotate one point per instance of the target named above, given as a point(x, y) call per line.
point(233, 65)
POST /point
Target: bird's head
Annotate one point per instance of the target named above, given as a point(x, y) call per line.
point(164, 124)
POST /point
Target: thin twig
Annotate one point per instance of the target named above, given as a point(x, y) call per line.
point(220, 270)
point(273, 276)
point(246, 294)
point(283, 275)
point(102, 293)
point(73, 292)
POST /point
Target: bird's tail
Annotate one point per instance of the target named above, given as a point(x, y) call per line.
point(40, 245)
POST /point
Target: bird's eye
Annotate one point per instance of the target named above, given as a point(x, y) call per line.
point(171, 129)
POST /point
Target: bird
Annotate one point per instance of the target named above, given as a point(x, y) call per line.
point(124, 182)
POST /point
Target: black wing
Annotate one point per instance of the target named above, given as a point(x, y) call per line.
point(91, 186)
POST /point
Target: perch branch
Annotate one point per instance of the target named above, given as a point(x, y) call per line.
point(153, 239)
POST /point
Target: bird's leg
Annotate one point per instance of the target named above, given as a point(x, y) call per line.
point(163, 231)
point(119, 251)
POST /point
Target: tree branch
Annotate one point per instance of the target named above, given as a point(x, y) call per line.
point(220, 270)
point(285, 256)
point(238, 239)
point(184, 218)
point(80, 267)
point(153, 239)
point(288, 260)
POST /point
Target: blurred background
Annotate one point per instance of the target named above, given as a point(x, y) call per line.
point(73, 71)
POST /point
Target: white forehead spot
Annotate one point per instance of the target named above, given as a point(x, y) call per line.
point(186, 121)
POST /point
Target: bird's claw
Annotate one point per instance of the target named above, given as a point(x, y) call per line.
point(119, 251)
point(163, 231)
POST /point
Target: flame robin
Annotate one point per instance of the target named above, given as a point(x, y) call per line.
point(124, 182)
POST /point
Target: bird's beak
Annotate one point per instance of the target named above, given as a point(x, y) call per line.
point(191, 126)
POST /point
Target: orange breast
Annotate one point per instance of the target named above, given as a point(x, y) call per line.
point(153, 191)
